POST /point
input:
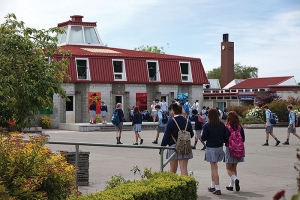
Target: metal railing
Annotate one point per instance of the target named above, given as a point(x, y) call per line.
point(77, 144)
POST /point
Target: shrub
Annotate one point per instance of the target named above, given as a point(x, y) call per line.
point(46, 122)
point(255, 112)
point(280, 108)
point(162, 185)
point(28, 170)
point(252, 120)
point(239, 109)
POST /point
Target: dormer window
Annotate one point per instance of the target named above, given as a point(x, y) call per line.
point(82, 67)
point(119, 70)
point(153, 71)
point(186, 73)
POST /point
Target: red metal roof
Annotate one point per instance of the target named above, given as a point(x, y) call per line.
point(96, 51)
point(101, 69)
point(260, 82)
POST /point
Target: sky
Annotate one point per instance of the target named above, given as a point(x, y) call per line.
point(266, 33)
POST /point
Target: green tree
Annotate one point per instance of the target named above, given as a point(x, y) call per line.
point(29, 73)
point(240, 72)
point(154, 49)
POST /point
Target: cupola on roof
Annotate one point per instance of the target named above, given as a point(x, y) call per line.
point(78, 32)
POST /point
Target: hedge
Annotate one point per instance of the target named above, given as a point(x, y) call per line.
point(163, 186)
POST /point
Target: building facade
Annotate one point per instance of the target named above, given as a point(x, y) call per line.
point(114, 75)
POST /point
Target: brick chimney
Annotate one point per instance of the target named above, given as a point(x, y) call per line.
point(227, 61)
point(76, 18)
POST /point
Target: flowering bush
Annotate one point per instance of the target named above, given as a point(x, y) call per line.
point(46, 122)
point(239, 109)
point(255, 112)
point(28, 170)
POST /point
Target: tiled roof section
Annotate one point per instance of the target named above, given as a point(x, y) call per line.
point(261, 82)
point(120, 53)
point(198, 73)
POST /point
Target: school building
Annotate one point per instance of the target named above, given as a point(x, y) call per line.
point(115, 75)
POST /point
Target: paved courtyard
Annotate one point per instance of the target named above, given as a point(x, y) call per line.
point(266, 170)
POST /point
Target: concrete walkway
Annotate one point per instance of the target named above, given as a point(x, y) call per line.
point(266, 170)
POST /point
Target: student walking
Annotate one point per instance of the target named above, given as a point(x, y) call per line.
point(170, 138)
point(236, 131)
point(199, 122)
point(187, 107)
point(163, 105)
point(269, 127)
point(103, 114)
point(161, 125)
point(119, 126)
point(92, 110)
point(204, 113)
point(215, 135)
point(137, 125)
point(292, 125)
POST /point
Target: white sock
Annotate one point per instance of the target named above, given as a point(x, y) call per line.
point(217, 187)
point(231, 183)
point(233, 177)
point(212, 185)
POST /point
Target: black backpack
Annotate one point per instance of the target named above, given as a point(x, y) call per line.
point(165, 118)
point(297, 120)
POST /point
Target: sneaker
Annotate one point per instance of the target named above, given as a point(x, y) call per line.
point(211, 189)
point(154, 142)
point(286, 143)
point(141, 142)
point(135, 143)
point(229, 188)
point(265, 144)
point(237, 185)
point(277, 143)
point(203, 148)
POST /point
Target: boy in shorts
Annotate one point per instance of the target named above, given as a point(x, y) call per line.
point(161, 126)
point(269, 127)
point(292, 125)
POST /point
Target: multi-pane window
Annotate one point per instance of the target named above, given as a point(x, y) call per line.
point(79, 35)
point(185, 71)
point(82, 69)
point(153, 71)
point(119, 70)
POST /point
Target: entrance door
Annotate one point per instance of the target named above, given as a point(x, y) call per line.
point(221, 105)
point(70, 110)
point(119, 99)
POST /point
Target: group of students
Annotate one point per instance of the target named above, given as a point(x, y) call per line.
point(215, 134)
point(92, 111)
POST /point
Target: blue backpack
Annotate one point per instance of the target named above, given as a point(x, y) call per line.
point(187, 107)
point(115, 118)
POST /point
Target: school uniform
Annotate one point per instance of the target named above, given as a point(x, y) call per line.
point(197, 126)
point(172, 130)
point(137, 122)
point(215, 137)
point(228, 158)
point(119, 126)
point(103, 110)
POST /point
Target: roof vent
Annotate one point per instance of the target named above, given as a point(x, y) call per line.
point(76, 18)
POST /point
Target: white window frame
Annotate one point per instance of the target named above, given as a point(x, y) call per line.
point(118, 73)
point(189, 75)
point(87, 69)
point(157, 71)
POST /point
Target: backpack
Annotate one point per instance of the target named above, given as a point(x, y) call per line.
point(187, 107)
point(224, 115)
point(297, 120)
point(273, 118)
point(115, 118)
point(201, 119)
point(235, 143)
point(183, 143)
point(165, 118)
